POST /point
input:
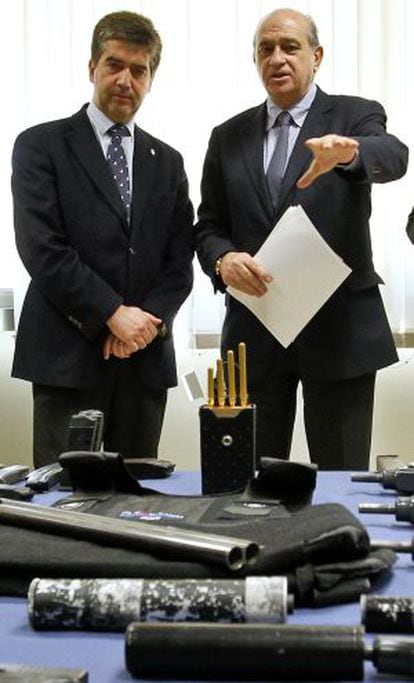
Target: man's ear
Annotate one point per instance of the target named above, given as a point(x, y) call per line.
point(91, 68)
point(318, 56)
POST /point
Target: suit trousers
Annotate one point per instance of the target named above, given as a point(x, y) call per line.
point(337, 418)
point(133, 415)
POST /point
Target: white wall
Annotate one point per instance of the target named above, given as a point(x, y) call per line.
point(206, 75)
point(393, 429)
point(15, 410)
point(393, 416)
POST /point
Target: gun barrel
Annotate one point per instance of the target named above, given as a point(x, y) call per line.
point(376, 508)
point(397, 546)
point(233, 553)
point(367, 476)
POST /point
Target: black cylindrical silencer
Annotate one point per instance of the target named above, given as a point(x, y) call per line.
point(393, 655)
point(221, 652)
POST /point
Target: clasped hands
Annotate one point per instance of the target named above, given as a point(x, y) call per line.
point(131, 330)
point(241, 270)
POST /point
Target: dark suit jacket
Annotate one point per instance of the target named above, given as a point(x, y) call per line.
point(410, 225)
point(83, 258)
point(350, 335)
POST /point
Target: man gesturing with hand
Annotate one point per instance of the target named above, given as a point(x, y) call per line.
point(302, 146)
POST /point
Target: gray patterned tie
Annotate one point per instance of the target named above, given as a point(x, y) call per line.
point(118, 164)
point(276, 169)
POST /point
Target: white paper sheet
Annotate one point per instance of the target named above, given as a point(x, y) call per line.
point(306, 273)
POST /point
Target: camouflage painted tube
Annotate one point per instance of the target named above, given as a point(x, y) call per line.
point(112, 604)
point(386, 614)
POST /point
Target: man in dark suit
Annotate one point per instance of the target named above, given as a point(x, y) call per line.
point(336, 147)
point(108, 246)
point(410, 225)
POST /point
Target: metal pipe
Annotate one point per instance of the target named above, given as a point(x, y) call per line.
point(397, 546)
point(233, 553)
point(403, 509)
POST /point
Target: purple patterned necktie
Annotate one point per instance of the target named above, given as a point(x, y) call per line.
point(118, 164)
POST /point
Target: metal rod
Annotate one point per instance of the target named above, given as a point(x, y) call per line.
point(242, 375)
point(376, 508)
point(397, 546)
point(403, 509)
point(367, 476)
point(221, 390)
point(231, 379)
point(233, 553)
point(210, 387)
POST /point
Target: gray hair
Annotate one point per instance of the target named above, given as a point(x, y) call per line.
point(313, 36)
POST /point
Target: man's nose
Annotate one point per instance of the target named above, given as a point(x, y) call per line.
point(277, 55)
point(124, 78)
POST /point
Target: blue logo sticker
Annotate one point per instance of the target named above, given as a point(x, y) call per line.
point(149, 515)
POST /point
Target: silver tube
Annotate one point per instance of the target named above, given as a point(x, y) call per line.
point(234, 553)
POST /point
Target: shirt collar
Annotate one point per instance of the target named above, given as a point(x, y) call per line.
point(102, 123)
point(297, 111)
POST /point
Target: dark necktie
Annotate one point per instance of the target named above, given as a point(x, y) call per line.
point(275, 171)
point(118, 164)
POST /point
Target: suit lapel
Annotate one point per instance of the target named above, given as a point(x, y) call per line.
point(316, 124)
point(251, 140)
point(86, 148)
point(145, 162)
point(84, 144)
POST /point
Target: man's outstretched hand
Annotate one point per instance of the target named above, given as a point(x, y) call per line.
point(328, 151)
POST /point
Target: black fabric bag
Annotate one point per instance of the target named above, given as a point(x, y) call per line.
point(323, 549)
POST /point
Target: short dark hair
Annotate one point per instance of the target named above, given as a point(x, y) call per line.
point(128, 26)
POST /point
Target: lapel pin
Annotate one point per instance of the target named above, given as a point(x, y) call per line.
point(152, 151)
